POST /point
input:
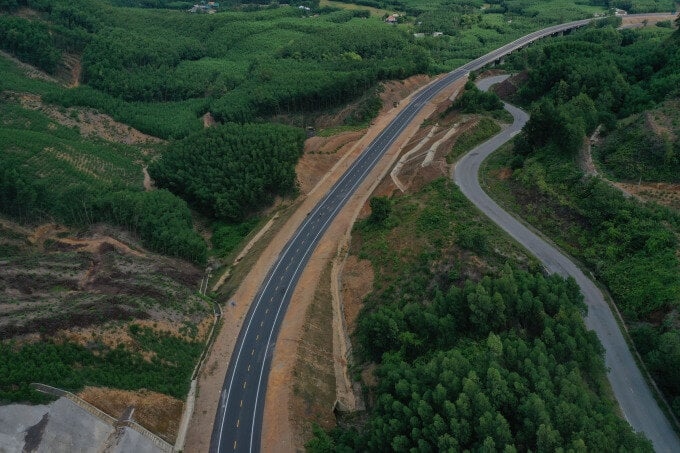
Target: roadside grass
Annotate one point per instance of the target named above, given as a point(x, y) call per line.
point(240, 271)
point(334, 130)
point(314, 372)
point(485, 129)
point(434, 232)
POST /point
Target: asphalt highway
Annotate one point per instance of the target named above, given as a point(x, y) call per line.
point(630, 389)
point(238, 420)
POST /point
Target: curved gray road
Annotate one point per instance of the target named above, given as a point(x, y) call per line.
point(631, 391)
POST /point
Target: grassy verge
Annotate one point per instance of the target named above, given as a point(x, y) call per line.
point(486, 129)
point(314, 387)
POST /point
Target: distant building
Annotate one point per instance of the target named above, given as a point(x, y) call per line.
point(204, 8)
point(437, 33)
point(304, 8)
point(392, 19)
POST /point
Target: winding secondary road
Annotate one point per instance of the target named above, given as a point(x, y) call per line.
point(631, 391)
point(238, 420)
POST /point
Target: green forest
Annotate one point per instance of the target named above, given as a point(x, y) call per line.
point(471, 352)
point(159, 69)
point(607, 77)
point(231, 171)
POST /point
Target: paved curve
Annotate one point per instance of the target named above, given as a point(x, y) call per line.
point(631, 391)
point(238, 420)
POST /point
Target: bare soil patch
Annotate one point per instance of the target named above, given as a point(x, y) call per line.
point(148, 182)
point(657, 192)
point(208, 120)
point(55, 233)
point(357, 283)
point(503, 173)
point(156, 412)
point(314, 387)
point(507, 88)
point(57, 282)
point(90, 122)
point(113, 334)
point(320, 155)
point(647, 19)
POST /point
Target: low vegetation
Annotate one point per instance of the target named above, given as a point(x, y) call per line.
point(50, 172)
point(644, 146)
point(485, 129)
point(89, 310)
point(72, 366)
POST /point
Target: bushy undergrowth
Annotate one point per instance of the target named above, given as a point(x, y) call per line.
point(71, 366)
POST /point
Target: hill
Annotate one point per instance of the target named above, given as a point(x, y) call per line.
point(630, 245)
point(93, 308)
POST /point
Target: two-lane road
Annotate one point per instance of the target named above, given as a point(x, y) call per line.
point(238, 419)
point(630, 389)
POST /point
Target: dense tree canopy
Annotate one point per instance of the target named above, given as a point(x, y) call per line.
point(473, 100)
point(233, 170)
point(29, 41)
point(503, 364)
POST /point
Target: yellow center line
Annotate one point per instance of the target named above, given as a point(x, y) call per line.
point(238, 422)
point(244, 384)
point(257, 337)
point(261, 323)
point(252, 352)
point(241, 405)
point(248, 367)
point(267, 310)
point(234, 445)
